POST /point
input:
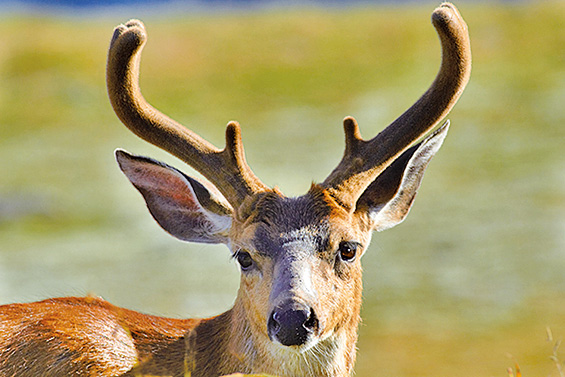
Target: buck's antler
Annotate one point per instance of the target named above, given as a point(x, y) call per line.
point(226, 169)
point(364, 160)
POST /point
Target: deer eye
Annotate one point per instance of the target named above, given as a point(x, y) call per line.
point(348, 251)
point(244, 259)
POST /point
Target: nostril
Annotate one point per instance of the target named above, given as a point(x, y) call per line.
point(311, 323)
point(274, 323)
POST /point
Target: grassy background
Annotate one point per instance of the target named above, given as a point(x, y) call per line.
point(477, 271)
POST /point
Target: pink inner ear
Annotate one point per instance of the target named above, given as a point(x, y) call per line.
point(166, 183)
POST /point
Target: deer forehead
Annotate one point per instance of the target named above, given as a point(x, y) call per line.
point(295, 243)
point(296, 227)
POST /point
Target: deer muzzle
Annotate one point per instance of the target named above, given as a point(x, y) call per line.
point(292, 324)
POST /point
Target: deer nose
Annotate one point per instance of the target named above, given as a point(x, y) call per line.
point(292, 324)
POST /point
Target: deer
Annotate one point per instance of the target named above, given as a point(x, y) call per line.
point(297, 310)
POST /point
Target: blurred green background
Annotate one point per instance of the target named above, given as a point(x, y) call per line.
point(465, 286)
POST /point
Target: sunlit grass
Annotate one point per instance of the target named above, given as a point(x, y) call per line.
point(558, 362)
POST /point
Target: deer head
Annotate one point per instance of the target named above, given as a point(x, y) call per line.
point(300, 258)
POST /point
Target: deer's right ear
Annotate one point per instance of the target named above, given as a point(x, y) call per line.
point(388, 199)
point(180, 204)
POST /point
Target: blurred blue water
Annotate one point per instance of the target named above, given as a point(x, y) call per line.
point(89, 5)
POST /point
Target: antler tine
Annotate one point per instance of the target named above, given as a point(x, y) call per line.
point(364, 160)
point(226, 169)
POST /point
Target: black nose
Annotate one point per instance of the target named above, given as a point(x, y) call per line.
point(291, 324)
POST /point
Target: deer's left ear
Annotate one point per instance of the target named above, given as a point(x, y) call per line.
point(388, 199)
